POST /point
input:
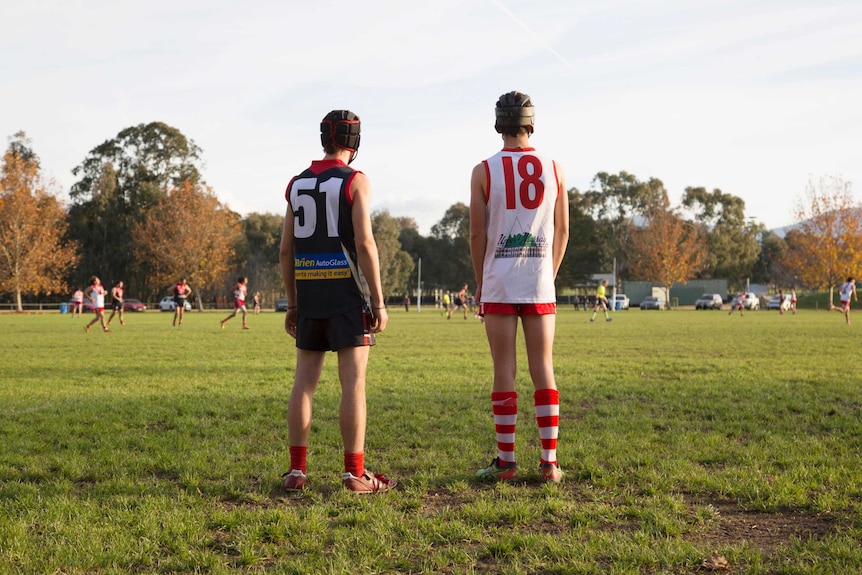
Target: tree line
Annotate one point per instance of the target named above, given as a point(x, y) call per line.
point(141, 212)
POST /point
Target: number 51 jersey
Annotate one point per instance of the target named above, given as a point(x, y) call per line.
point(519, 219)
point(328, 279)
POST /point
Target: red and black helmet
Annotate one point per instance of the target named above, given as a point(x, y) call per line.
point(340, 128)
point(514, 110)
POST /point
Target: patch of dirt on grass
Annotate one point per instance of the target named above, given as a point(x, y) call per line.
point(731, 525)
point(764, 531)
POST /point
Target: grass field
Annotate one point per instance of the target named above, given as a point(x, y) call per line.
point(154, 449)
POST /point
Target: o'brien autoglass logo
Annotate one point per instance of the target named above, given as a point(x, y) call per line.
point(322, 267)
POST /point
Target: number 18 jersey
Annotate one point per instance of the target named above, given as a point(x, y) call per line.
point(519, 221)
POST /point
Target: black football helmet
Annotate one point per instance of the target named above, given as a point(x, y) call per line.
point(341, 128)
point(514, 110)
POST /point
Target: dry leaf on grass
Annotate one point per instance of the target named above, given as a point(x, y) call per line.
point(715, 563)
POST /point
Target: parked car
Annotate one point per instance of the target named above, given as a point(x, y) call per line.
point(775, 302)
point(653, 302)
point(168, 304)
point(133, 305)
point(621, 301)
point(281, 304)
point(709, 301)
point(752, 302)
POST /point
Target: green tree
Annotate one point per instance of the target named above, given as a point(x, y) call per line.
point(586, 252)
point(770, 267)
point(396, 265)
point(34, 258)
point(448, 264)
point(259, 252)
point(617, 200)
point(732, 242)
point(119, 182)
point(455, 223)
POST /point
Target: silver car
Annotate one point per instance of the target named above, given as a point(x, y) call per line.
point(168, 304)
point(709, 301)
point(653, 302)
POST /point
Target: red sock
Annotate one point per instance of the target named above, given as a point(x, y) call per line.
point(354, 463)
point(505, 407)
point(298, 455)
point(548, 418)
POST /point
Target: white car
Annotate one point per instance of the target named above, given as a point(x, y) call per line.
point(621, 301)
point(708, 301)
point(751, 302)
point(776, 303)
point(168, 304)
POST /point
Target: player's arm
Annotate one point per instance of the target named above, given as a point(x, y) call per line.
point(287, 262)
point(366, 247)
point(478, 233)
point(561, 220)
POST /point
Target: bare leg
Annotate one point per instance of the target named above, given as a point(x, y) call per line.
point(539, 337)
point(231, 316)
point(352, 366)
point(308, 367)
point(502, 331)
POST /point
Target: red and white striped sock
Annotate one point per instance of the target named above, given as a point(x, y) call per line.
point(548, 418)
point(505, 407)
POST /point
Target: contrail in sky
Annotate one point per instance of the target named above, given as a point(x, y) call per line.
point(535, 36)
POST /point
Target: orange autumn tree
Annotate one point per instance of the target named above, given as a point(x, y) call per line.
point(666, 249)
point(190, 234)
point(34, 258)
point(826, 246)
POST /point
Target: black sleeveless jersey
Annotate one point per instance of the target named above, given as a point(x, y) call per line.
point(328, 279)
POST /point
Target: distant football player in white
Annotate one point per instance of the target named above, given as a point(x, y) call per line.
point(847, 291)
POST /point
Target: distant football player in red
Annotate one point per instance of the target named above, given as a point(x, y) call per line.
point(181, 290)
point(117, 302)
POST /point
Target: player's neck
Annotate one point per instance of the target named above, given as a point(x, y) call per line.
point(519, 141)
point(340, 154)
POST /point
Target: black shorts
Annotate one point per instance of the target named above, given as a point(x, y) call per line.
point(350, 329)
point(117, 305)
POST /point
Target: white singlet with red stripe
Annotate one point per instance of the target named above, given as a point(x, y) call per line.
point(519, 222)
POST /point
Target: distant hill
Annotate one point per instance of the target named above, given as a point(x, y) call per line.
point(781, 232)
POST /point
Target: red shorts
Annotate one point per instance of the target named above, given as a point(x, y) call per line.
point(238, 303)
point(518, 309)
point(845, 304)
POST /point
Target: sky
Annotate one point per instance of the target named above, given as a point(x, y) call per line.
point(757, 98)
